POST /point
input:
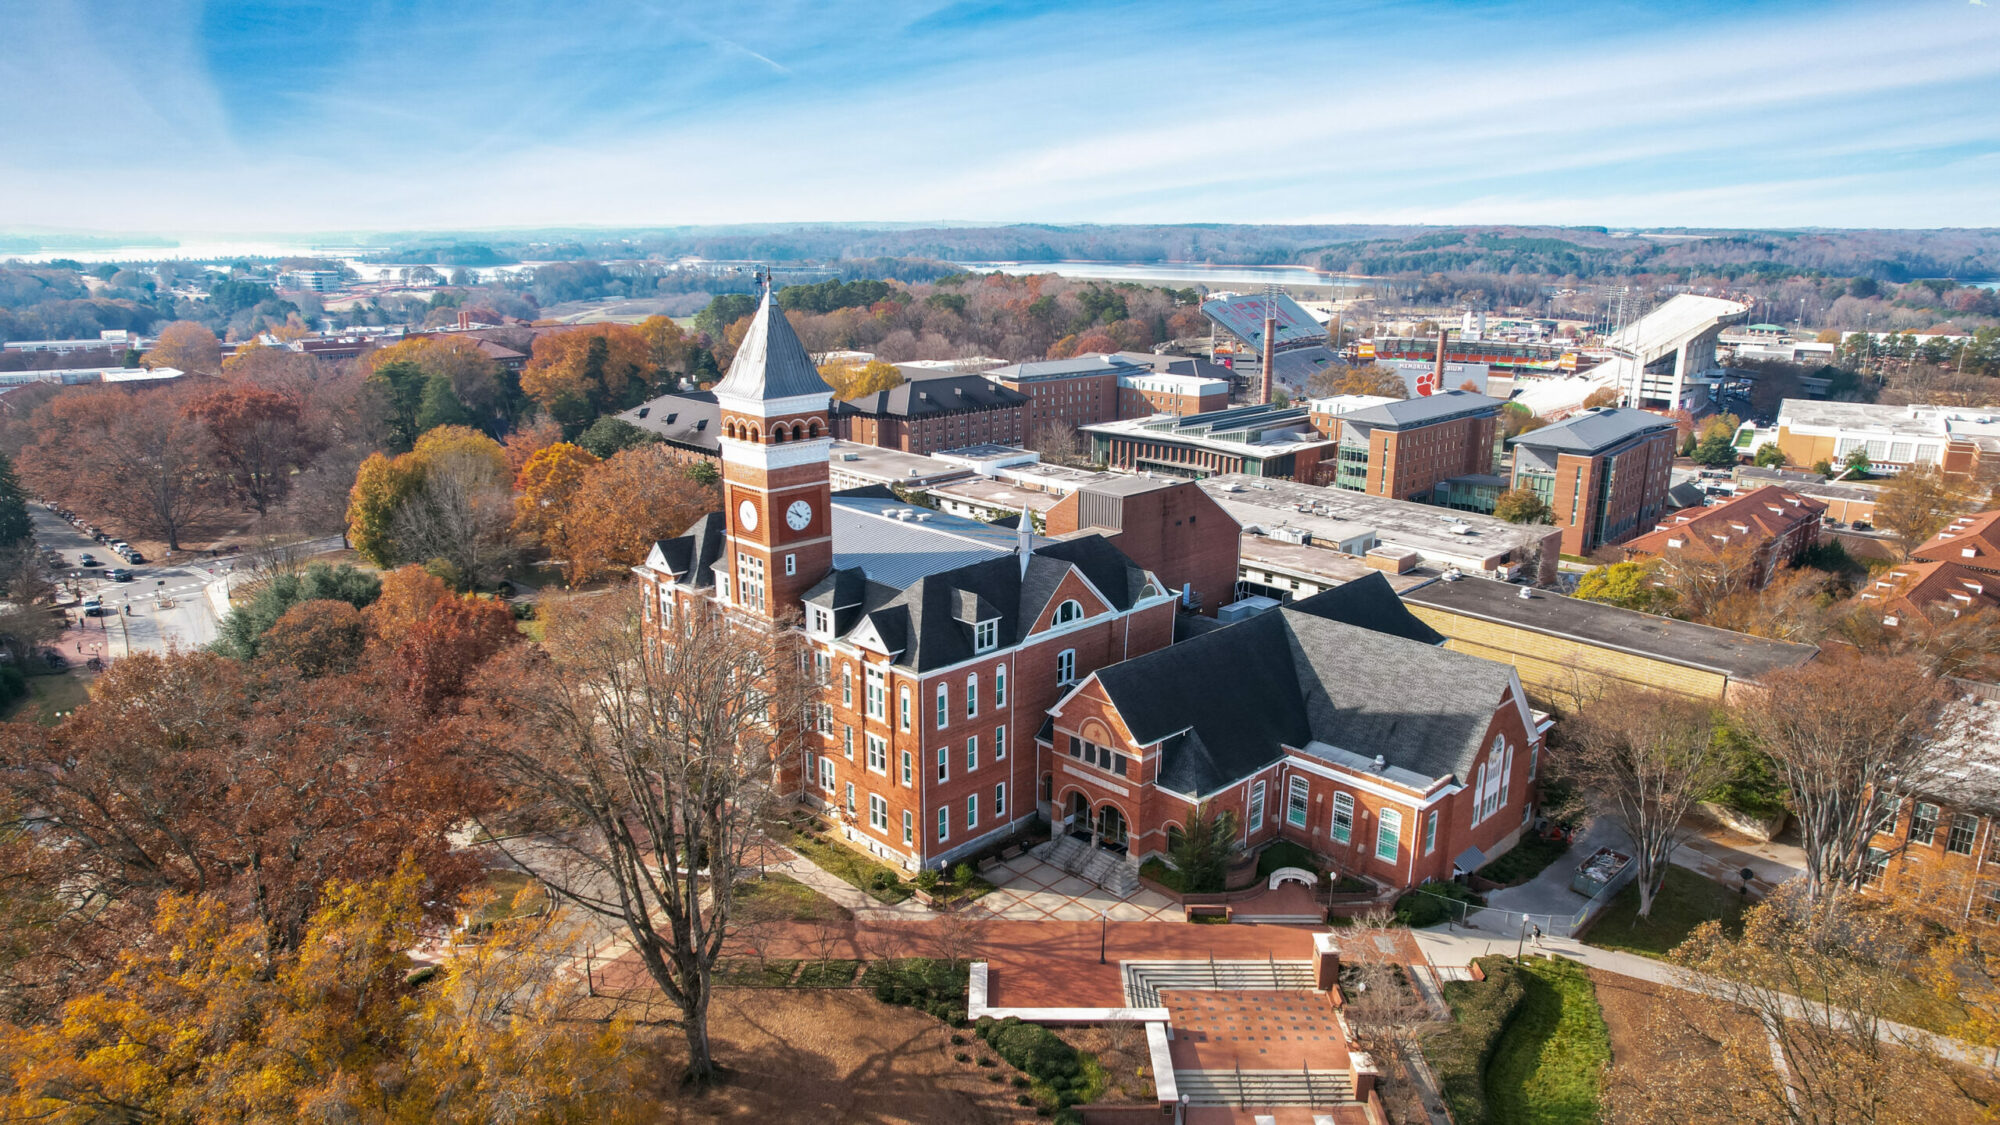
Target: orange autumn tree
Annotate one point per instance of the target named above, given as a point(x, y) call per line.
point(408, 593)
point(579, 374)
point(547, 487)
point(434, 639)
point(636, 498)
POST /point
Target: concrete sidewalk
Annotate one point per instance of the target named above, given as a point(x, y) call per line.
point(1448, 949)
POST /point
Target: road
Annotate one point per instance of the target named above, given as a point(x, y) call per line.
point(141, 618)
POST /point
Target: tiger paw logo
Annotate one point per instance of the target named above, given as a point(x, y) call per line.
point(1427, 383)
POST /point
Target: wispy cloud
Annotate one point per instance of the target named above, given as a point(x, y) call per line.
point(318, 116)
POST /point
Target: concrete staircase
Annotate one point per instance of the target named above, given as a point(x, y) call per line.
point(1144, 980)
point(1106, 869)
point(1259, 1088)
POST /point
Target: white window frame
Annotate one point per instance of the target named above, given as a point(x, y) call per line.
point(1255, 819)
point(878, 754)
point(750, 578)
point(1000, 685)
point(1430, 831)
point(826, 775)
point(878, 692)
point(944, 763)
point(1298, 801)
point(791, 564)
point(1343, 808)
point(971, 753)
point(909, 827)
point(1066, 666)
point(1000, 743)
point(1000, 800)
point(986, 636)
point(972, 696)
point(847, 740)
point(1389, 830)
point(943, 706)
point(878, 813)
point(903, 702)
point(971, 811)
point(850, 798)
point(1070, 610)
point(944, 822)
point(909, 769)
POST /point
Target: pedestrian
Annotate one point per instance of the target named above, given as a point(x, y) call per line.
point(1538, 937)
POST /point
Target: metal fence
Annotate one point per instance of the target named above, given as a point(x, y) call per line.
point(1510, 923)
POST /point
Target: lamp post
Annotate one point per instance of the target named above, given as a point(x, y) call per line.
point(1103, 932)
point(1520, 944)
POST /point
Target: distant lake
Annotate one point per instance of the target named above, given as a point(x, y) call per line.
point(1180, 272)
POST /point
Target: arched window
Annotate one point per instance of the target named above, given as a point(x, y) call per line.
point(812, 428)
point(798, 431)
point(1388, 835)
point(1343, 817)
point(1069, 611)
point(777, 433)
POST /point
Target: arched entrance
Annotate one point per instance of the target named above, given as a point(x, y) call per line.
point(1111, 827)
point(1078, 817)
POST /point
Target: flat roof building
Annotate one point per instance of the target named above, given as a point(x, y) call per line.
point(853, 465)
point(1962, 441)
point(1404, 449)
point(1264, 441)
point(1438, 538)
point(1565, 648)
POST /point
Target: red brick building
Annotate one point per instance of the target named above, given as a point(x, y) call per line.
point(1399, 760)
point(1938, 840)
point(1140, 396)
point(1768, 527)
point(1603, 473)
point(1068, 392)
point(926, 415)
point(1170, 527)
point(1403, 449)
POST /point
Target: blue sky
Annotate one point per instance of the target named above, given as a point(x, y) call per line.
point(364, 116)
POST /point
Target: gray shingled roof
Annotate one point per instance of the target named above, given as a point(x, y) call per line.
point(943, 394)
point(1593, 431)
point(771, 363)
point(1228, 702)
point(1424, 410)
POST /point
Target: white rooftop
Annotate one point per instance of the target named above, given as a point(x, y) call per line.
point(896, 543)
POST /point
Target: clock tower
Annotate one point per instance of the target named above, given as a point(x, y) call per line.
point(775, 489)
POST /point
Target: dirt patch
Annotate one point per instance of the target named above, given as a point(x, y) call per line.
point(838, 1056)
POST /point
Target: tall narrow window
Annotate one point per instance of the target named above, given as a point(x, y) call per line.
point(878, 813)
point(1343, 818)
point(1000, 686)
point(909, 769)
point(1066, 666)
point(750, 579)
point(903, 702)
point(1298, 791)
point(1430, 831)
point(944, 763)
point(999, 744)
point(943, 706)
point(1388, 835)
point(944, 823)
point(826, 774)
point(846, 686)
point(1256, 819)
point(878, 694)
point(878, 753)
point(909, 827)
point(972, 811)
point(972, 696)
point(850, 798)
point(847, 740)
point(972, 753)
point(999, 801)
point(1923, 823)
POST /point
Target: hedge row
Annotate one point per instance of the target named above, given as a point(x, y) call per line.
point(1053, 1065)
point(921, 983)
point(1480, 1012)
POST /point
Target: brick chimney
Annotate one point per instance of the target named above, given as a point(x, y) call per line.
point(1270, 334)
point(464, 320)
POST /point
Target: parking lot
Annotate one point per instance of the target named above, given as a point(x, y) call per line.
point(161, 606)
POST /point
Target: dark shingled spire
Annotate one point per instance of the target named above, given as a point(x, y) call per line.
point(772, 363)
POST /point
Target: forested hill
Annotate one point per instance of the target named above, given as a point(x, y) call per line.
point(1886, 255)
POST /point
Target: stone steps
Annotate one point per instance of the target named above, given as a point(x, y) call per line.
point(1144, 980)
point(1105, 869)
point(1256, 1088)
point(1281, 919)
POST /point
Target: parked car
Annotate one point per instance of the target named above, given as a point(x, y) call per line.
point(93, 606)
point(119, 574)
point(120, 546)
point(88, 559)
point(135, 558)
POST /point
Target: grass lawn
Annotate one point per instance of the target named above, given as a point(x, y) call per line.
point(777, 897)
point(507, 887)
point(881, 882)
point(64, 691)
point(1548, 1068)
point(1685, 901)
point(1525, 861)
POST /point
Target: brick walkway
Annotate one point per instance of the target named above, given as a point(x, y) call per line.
point(1033, 891)
point(1260, 1030)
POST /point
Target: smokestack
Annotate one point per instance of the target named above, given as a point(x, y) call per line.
point(464, 319)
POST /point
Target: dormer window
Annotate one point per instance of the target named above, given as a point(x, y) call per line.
point(1069, 611)
point(986, 636)
point(819, 621)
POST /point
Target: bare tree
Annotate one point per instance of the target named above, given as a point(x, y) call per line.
point(642, 764)
point(1647, 758)
point(1841, 730)
point(1059, 442)
point(461, 517)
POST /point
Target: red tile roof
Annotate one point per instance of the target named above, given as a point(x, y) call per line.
point(1972, 541)
point(1754, 517)
point(1919, 586)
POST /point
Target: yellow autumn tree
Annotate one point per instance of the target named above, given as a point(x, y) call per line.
point(187, 346)
point(851, 380)
point(546, 491)
point(631, 501)
point(579, 374)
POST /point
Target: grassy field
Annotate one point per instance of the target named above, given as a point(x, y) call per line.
point(881, 882)
point(1525, 861)
point(1685, 901)
point(777, 897)
point(1549, 1066)
point(64, 691)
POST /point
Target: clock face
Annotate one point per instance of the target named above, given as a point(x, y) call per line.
point(798, 515)
point(746, 514)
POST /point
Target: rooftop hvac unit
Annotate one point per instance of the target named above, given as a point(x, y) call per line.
point(850, 457)
point(1296, 535)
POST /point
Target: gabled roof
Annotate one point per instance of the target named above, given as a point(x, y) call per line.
point(1594, 431)
point(771, 363)
point(1972, 541)
point(1228, 702)
point(1371, 603)
point(940, 394)
point(1941, 587)
point(692, 554)
point(1425, 410)
point(1752, 519)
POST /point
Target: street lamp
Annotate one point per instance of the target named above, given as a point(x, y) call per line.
point(1103, 928)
